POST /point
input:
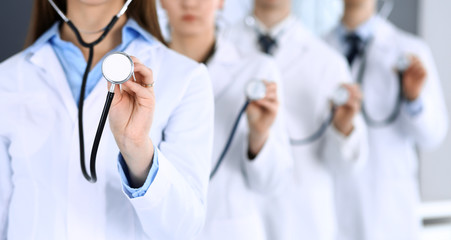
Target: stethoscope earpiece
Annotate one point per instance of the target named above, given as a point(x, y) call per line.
point(117, 67)
point(255, 90)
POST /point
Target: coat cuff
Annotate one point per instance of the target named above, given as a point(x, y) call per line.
point(125, 177)
point(347, 145)
point(413, 108)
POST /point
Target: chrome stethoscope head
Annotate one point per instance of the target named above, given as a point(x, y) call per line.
point(403, 63)
point(117, 68)
point(340, 97)
point(255, 90)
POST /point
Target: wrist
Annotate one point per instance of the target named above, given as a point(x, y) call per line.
point(139, 159)
point(345, 129)
point(256, 143)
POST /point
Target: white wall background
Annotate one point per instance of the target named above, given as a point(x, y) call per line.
point(434, 27)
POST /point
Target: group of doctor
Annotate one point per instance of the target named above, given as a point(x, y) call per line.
point(167, 130)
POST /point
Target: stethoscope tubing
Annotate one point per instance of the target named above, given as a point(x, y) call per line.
point(318, 133)
point(93, 177)
point(229, 140)
point(393, 116)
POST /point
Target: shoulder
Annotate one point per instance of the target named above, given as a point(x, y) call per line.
point(167, 62)
point(315, 45)
point(234, 29)
point(12, 68)
point(399, 38)
point(410, 40)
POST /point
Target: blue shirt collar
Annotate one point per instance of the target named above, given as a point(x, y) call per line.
point(365, 31)
point(129, 31)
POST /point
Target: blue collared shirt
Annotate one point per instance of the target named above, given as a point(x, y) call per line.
point(74, 64)
point(366, 31)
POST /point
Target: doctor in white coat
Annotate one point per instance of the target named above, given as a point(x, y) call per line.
point(159, 137)
point(311, 72)
point(381, 201)
point(258, 162)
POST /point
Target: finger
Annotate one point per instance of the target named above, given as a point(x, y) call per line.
point(267, 105)
point(137, 89)
point(135, 60)
point(145, 73)
point(272, 97)
point(354, 92)
point(271, 94)
point(270, 85)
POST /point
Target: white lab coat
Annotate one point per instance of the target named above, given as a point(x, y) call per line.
point(43, 194)
point(381, 201)
point(232, 212)
point(311, 72)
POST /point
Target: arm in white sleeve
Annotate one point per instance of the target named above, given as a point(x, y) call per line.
point(342, 152)
point(5, 187)
point(270, 170)
point(429, 126)
point(338, 151)
point(174, 206)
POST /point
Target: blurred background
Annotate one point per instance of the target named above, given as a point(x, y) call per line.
point(426, 18)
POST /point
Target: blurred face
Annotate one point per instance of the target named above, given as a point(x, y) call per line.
point(358, 3)
point(95, 2)
point(272, 3)
point(191, 17)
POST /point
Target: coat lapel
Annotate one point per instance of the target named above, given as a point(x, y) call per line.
point(46, 59)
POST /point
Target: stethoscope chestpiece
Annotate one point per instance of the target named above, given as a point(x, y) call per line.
point(340, 97)
point(255, 90)
point(117, 67)
point(403, 63)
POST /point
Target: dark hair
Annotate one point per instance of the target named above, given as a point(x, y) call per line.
point(43, 16)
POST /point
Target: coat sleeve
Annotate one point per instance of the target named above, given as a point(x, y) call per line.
point(174, 205)
point(270, 170)
point(5, 187)
point(429, 127)
point(338, 151)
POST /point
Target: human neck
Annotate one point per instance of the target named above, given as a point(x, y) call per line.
point(196, 46)
point(356, 15)
point(271, 16)
point(91, 18)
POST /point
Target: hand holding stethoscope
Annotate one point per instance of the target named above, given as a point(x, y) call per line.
point(413, 79)
point(346, 111)
point(131, 117)
point(261, 114)
point(261, 107)
point(345, 104)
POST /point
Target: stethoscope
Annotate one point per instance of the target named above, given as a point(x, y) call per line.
point(109, 73)
point(401, 66)
point(255, 90)
point(339, 98)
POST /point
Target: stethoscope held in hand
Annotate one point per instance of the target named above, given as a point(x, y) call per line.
point(117, 68)
point(255, 90)
point(90, 46)
point(402, 64)
point(339, 98)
